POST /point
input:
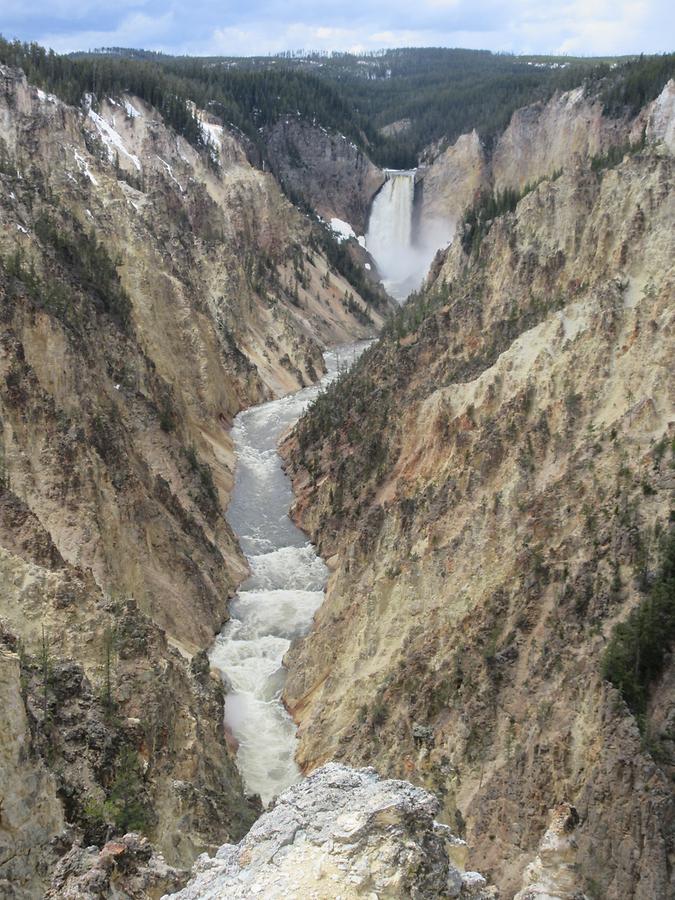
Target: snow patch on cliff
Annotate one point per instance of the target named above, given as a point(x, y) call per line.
point(131, 110)
point(112, 139)
point(343, 231)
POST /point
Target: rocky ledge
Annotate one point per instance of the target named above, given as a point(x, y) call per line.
point(344, 833)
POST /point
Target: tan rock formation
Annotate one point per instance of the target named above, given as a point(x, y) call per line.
point(660, 127)
point(127, 867)
point(545, 137)
point(449, 185)
point(209, 259)
point(340, 833)
point(553, 874)
point(147, 293)
point(540, 140)
point(490, 486)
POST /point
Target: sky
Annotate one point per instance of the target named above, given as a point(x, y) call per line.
point(248, 27)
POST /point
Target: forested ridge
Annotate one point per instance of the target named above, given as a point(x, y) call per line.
point(435, 94)
point(447, 92)
point(247, 100)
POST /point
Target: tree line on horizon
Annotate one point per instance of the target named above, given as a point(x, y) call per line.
point(438, 93)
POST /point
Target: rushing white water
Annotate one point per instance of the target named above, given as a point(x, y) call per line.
point(389, 237)
point(402, 258)
point(278, 601)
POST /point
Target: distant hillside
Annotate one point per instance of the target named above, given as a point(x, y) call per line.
point(427, 95)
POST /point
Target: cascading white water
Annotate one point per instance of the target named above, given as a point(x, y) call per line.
point(389, 237)
point(403, 258)
point(278, 601)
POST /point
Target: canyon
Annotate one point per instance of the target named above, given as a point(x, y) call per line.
point(486, 486)
point(117, 460)
point(487, 490)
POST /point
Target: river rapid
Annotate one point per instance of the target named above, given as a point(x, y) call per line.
point(277, 602)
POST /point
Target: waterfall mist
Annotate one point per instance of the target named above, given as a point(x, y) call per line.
point(402, 259)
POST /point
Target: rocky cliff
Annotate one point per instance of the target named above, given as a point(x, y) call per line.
point(325, 169)
point(540, 140)
point(148, 292)
point(31, 813)
point(342, 832)
point(448, 185)
point(492, 485)
point(545, 137)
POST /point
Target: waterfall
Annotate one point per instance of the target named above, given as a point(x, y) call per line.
point(403, 258)
point(389, 238)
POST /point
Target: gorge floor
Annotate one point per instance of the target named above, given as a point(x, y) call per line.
point(277, 602)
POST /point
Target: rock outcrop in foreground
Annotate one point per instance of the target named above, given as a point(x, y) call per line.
point(341, 833)
point(554, 872)
point(125, 867)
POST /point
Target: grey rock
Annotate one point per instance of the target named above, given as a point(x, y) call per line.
point(340, 832)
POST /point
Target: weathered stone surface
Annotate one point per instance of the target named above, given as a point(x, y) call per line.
point(116, 463)
point(661, 118)
point(522, 430)
point(326, 169)
point(124, 868)
point(544, 137)
point(31, 816)
point(554, 873)
point(540, 140)
point(340, 832)
point(449, 185)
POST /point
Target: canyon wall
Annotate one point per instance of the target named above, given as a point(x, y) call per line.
point(539, 141)
point(148, 292)
point(31, 813)
point(342, 832)
point(492, 486)
point(325, 169)
point(545, 137)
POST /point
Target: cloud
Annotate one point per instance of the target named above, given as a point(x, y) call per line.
point(135, 30)
point(241, 27)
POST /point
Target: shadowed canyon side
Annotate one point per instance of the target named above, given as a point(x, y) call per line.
point(148, 292)
point(492, 486)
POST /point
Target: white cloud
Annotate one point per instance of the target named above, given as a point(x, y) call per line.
point(243, 27)
point(136, 30)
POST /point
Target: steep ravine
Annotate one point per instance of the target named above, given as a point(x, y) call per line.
point(488, 490)
point(490, 487)
point(148, 293)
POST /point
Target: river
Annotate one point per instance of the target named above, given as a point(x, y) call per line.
point(277, 602)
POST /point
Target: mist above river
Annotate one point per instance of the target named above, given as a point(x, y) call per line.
point(402, 254)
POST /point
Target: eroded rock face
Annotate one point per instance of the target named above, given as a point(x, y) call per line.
point(540, 140)
point(345, 833)
point(31, 816)
point(224, 310)
point(660, 117)
point(554, 873)
point(544, 137)
point(489, 493)
point(148, 292)
point(449, 185)
point(126, 867)
point(327, 170)
point(101, 687)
